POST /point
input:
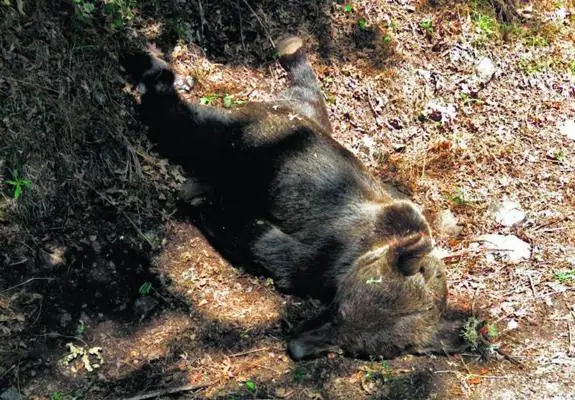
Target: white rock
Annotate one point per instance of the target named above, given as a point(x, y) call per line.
point(509, 213)
point(446, 224)
point(568, 129)
point(485, 69)
point(512, 324)
point(509, 247)
point(439, 112)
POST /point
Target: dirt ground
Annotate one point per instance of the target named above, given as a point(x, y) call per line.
point(108, 292)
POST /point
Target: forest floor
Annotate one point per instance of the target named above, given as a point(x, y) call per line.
point(107, 292)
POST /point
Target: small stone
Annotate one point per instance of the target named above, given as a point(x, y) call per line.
point(512, 324)
point(52, 257)
point(568, 129)
point(509, 247)
point(446, 224)
point(485, 69)
point(509, 213)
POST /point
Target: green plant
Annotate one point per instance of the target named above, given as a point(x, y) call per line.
point(571, 66)
point(348, 7)
point(145, 289)
point(250, 385)
point(57, 396)
point(470, 332)
point(229, 101)
point(18, 184)
point(119, 11)
point(381, 371)
point(486, 24)
point(299, 375)
point(426, 25)
point(371, 281)
point(362, 23)
point(458, 197)
point(179, 29)
point(80, 328)
point(84, 9)
point(565, 276)
point(560, 155)
point(536, 41)
point(208, 100)
point(386, 39)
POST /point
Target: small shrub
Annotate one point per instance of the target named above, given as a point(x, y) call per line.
point(84, 9)
point(80, 328)
point(18, 184)
point(566, 276)
point(57, 396)
point(426, 25)
point(119, 11)
point(145, 289)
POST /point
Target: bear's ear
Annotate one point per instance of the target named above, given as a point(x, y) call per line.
point(407, 252)
point(146, 66)
point(401, 218)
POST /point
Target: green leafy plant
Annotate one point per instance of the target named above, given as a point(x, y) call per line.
point(386, 39)
point(381, 371)
point(119, 11)
point(470, 332)
point(565, 276)
point(426, 25)
point(362, 23)
point(18, 184)
point(145, 289)
point(458, 197)
point(348, 7)
point(84, 9)
point(229, 101)
point(371, 281)
point(207, 100)
point(80, 328)
point(571, 66)
point(486, 24)
point(250, 385)
point(57, 396)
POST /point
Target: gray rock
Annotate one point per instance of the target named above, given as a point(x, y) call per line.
point(485, 69)
point(446, 224)
point(509, 213)
point(509, 247)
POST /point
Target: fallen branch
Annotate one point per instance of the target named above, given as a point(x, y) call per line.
point(163, 392)
point(249, 352)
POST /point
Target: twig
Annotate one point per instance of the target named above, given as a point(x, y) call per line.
point(241, 25)
point(163, 392)
point(571, 349)
point(261, 23)
point(509, 358)
point(33, 85)
point(249, 352)
point(202, 17)
point(25, 283)
point(532, 285)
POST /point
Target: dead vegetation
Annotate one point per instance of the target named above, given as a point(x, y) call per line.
point(95, 253)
